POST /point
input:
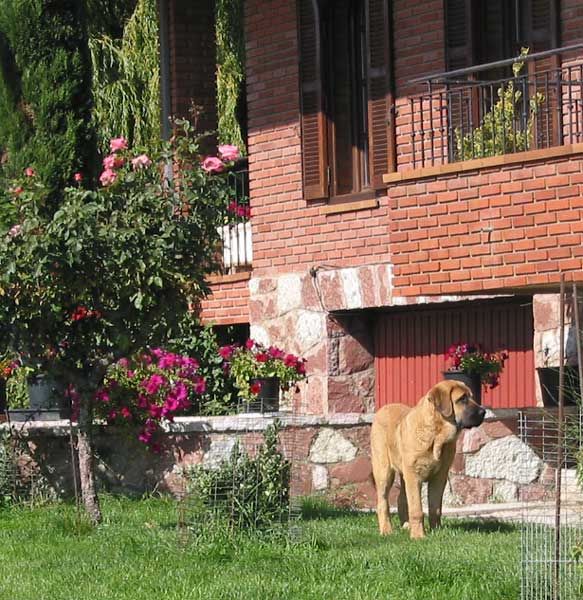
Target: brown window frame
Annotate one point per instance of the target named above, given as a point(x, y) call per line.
point(373, 155)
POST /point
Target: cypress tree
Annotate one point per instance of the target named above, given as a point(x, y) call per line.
point(45, 91)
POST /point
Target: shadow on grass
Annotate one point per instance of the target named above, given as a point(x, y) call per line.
point(481, 526)
point(314, 508)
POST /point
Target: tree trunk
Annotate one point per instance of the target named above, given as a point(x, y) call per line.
point(85, 457)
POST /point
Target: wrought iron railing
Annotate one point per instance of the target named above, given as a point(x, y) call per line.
point(499, 108)
point(236, 232)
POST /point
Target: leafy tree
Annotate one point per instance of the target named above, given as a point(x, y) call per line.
point(112, 271)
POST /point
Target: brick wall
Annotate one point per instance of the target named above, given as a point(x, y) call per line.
point(441, 240)
point(228, 303)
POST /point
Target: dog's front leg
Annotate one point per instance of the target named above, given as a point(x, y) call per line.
point(413, 487)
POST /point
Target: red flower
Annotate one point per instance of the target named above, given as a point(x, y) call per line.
point(255, 388)
point(226, 352)
point(249, 344)
point(262, 357)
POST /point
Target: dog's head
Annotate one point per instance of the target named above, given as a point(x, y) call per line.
point(454, 401)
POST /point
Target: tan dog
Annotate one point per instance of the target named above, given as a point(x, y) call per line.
point(420, 444)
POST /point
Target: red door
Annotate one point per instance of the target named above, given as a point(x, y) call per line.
point(410, 344)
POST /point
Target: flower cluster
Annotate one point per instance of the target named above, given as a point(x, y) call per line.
point(115, 160)
point(148, 389)
point(471, 359)
point(255, 361)
point(7, 367)
point(81, 313)
point(239, 210)
point(216, 164)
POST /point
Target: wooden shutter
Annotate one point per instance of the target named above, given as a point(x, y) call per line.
point(380, 96)
point(459, 38)
point(312, 118)
point(542, 25)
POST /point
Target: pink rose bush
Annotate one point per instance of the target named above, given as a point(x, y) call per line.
point(229, 153)
point(149, 389)
point(255, 361)
point(471, 359)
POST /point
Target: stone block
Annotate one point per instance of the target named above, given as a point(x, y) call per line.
point(357, 471)
point(332, 290)
point(351, 285)
point(505, 458)
point(474, 439)
point(319, 478)
point(505, 491)
point(353, 356)
point(500, 429)
point(471, 490)
point(341, 395)
point(330, 446)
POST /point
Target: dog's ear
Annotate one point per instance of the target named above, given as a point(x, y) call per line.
point(440, 396)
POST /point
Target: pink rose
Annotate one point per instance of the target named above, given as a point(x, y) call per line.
point(113, 162)
point(18, 189)
point(229, 152)
point(15, 230)
point(119, 143)
point(212, 164)
point(29, 172)
point(107, 177)
point(141, 162)
point(78, 177)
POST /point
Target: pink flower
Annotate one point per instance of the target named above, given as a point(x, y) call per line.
point(199, 385)
point(107, 177)
point(157, 352)
point(18, 189)
point(123, 363)
point(168, 361)
point(78, 177)
point(232, 208)
point(249, 344)
point(155, 411)
point(102, 396)
point(112, 415)
point(15, 230)
point(212, 164)
point(117, 144)
point(142, 401)
point(113, 162)
point(145, 437)
point(29, 172)
point(153, 383)
point(275, 352)
point(229, 152)
point(126, 413)
point(141, 162)
point(226, 352)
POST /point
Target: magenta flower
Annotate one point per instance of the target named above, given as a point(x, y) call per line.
point(249, 344)
point(126, 413)
point(167, 361)
point(199, 385)
point(226, 352)
point(229, 152)
point(124, 363)
point(145, 437)
point(117, 144)
point(155, 411)
point(153, 384)
point(212, 164)
point(102, 395)
point(290, 360)
point(142, 401)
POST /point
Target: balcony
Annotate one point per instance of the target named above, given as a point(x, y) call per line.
point(235, 234)
point(518, 105)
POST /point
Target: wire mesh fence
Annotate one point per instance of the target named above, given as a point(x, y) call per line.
point(249, 481)
point(552, 525)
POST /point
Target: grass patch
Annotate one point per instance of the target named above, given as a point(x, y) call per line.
point(47, 554)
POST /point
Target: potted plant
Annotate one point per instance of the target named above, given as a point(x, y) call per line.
point(469, 364)
point(548, 377)
point(260, 372)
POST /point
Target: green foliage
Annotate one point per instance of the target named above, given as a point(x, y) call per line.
point(7, 470)
point(44, 92)
point(126, 78)
point(113, 270)
point(502, 129)
point(200, 341)
point(230, 71)
point(245, 492)
point(17, 388)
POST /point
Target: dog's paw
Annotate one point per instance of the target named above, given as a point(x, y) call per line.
point(405, 525)
point(386, 529)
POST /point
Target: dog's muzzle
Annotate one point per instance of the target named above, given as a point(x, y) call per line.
point(472, 417)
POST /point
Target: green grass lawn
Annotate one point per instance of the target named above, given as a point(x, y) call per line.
point(139, 554)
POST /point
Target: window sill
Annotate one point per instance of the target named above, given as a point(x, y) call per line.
point(230, 278)
point(352, 203)
point(483, 163)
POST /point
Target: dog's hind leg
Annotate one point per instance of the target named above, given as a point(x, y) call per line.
point(402, 505)
point(383, 474)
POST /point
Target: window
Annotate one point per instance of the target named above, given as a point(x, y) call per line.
point(483, 31)
point(346, 97)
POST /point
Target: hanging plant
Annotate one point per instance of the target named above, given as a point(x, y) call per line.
point(230, 38)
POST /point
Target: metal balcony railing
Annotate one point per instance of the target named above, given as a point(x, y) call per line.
point(236, 232)
point(528, 103)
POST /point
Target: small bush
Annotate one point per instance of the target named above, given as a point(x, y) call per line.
point(245, 492)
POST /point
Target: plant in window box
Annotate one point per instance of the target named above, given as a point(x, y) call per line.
point(469, 364)
point(260, 372)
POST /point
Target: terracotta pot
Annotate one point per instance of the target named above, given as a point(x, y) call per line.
point(472, 380)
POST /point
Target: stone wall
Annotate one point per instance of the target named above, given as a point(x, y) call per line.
point(331, 456)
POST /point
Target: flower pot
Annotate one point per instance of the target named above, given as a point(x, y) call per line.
point(47, 401)
point(267, 398)
point(2, 399)
point(549, 384)
point(472, 380)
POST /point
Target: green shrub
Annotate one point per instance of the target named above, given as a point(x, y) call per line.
point(245, 492)
point(44, 91)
